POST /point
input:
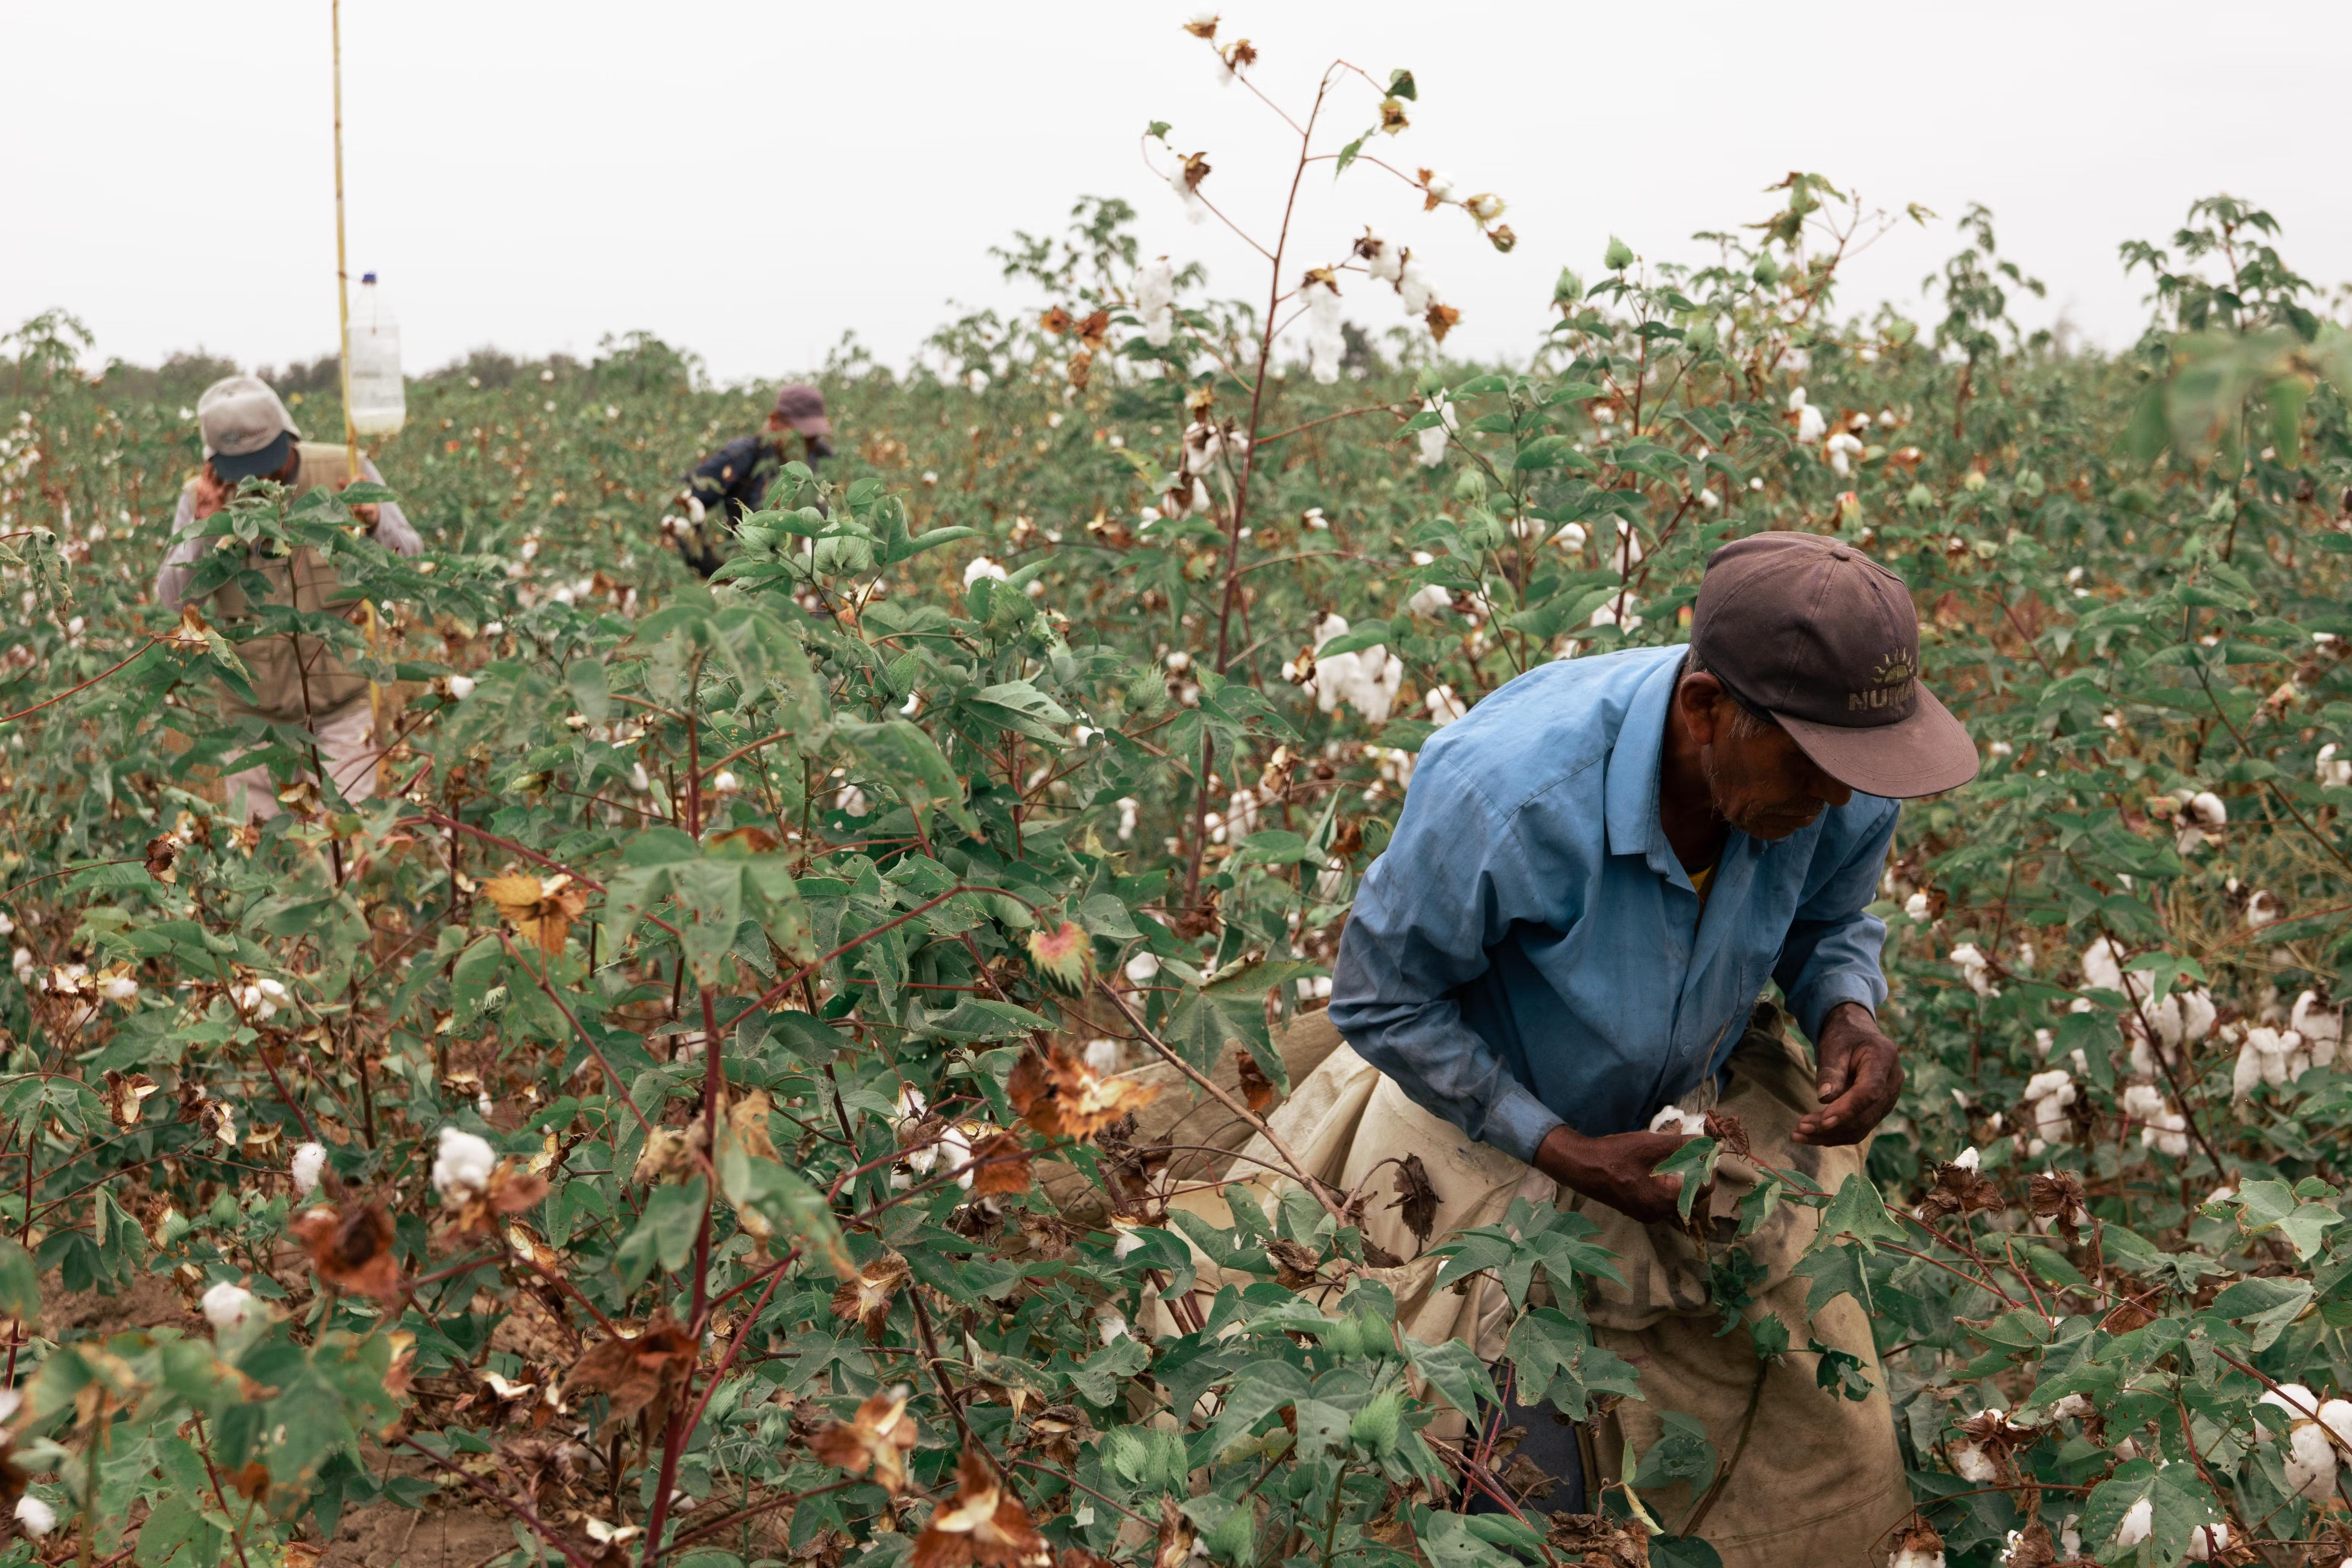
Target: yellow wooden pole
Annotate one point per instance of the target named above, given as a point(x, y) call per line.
point(344, 323)
point(342, 274)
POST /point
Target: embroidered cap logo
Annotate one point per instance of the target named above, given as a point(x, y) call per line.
point(1890, 683)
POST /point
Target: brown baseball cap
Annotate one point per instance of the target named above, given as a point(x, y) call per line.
point(803, 407)
point(1823, 639)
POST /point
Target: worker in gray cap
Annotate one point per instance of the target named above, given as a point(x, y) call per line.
point(735, 479)
point(296, 681)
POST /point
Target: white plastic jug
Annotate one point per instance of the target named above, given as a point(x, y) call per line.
point(379, 399)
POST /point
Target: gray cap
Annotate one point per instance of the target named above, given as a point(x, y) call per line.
point(248, 432)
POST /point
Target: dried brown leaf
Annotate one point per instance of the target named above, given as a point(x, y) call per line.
point(1417, 1198)
point(876, 1438)
point(351, 1251)
point(640, 1374)
point(982, 1526)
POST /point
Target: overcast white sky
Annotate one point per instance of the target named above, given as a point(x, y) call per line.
point(752, 180)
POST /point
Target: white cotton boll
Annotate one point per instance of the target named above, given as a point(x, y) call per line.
point(1629, 551)
point(225, 1305)
point(461, 687)
point(1444, 706)
point(2248, 1074)
point(2103, 966)
point(639, 780)
point(1968, 1159)
point(1798, 399)
point(1810, 426)
point(726, 782)
point(981, 566)
point(2335, 769)
point(1431, 602)
point(1326, 344)
point(955, 1150)
point(2321, 1024)
point(1142, 967)
point(1619, 612)
point(1433, 437)
point(1413, 288)
point(2310, 1460)
point(2293, 1398)
point(1571, 536)
point(1674, 1118)
point(119, 988)
point(1975, 969)
point(2074, 1406)
point(2208, 1541)
point(37, 1516)
point(309, 1161)
point(1907, 1558)
point(2196, 1014)
point(1155, 303)
point(462, 1165)
point(1916, 907)
point(1129, 808)
point(1972, 1463)
point(2336, 1414)
point(1110, 1324)
point(2042, 1040)
point(850, 801)
point(2139, 1523)
point(1102, 1057)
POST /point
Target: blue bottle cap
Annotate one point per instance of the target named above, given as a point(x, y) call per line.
point(367, 277)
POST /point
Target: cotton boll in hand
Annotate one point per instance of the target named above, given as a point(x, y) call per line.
point(1674, 1118)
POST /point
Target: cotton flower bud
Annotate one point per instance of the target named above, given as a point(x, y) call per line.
point(37, 1516)
point(309, 1161)
point(463, 1164)
point(225, 1305)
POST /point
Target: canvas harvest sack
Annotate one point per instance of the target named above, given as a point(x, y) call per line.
point(1817, 1478)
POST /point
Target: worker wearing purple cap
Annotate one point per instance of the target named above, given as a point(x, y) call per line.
point(735, 479)
point(1619, 891)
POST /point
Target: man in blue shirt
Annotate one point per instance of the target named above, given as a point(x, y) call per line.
point(1598, 872)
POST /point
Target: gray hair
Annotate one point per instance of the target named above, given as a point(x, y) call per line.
point(1744, 724)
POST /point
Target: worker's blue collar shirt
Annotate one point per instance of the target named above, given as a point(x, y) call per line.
point(1529, 951)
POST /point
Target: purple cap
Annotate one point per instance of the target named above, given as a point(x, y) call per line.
point(1824, 639)
point(803, 407)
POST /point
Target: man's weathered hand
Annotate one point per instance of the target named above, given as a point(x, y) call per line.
point(1619, 1169)
point(1861, 1077)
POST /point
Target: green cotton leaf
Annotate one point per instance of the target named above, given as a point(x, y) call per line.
point(20, 1283)
point(1361, 635)
point(709, 897)
point(1839, 1373)
point(1277, 847)
point(1099, 1377)
point(1542, 1343)
point(1400, 85)
point(2178, 1504)
point(1683, 1452)
point(2164, 970)
point(930, 539)
point(909, 761)
point(1553, 451)
point(1694, 1164)
point(1270, 1385)
point(1020, 707)
point(1834, 1271)
point(1104, 915)
point(665, 1234)
point(2268, 1307)
point(1859, 1211)
point(1454, 1370)
point(1683, 1552)
point(1349, 154)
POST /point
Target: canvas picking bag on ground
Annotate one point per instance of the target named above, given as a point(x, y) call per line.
point(1818, 1479)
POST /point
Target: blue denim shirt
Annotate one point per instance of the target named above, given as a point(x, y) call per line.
point(1528, 950)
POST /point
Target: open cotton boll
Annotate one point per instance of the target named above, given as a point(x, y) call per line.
point(1810, 426)
point(309, 1161)
point(1326, 344)
point(1972, 1463)
point(2335, 768)
point(1102, 1057)
point(1916, 907)
point(2321, 1024)
point(2139, 1524)
point(1975, 969)
point(1413, 288)
point(1674, 1118)
point(1968, 1159)
point(1443, 706)
point(2208, 1541)
point(2336, 1414)
point(1431, 602)
point(37, 1516)
point(2310, 1463)
point(1141, 968)
point(462, 1165)
point(1155, 301)
point(1908, 1557)
point(225, 1305)
point(955, 1149)
point(2103, 966)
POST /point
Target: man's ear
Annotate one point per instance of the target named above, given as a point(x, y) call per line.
point(1697, 695)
